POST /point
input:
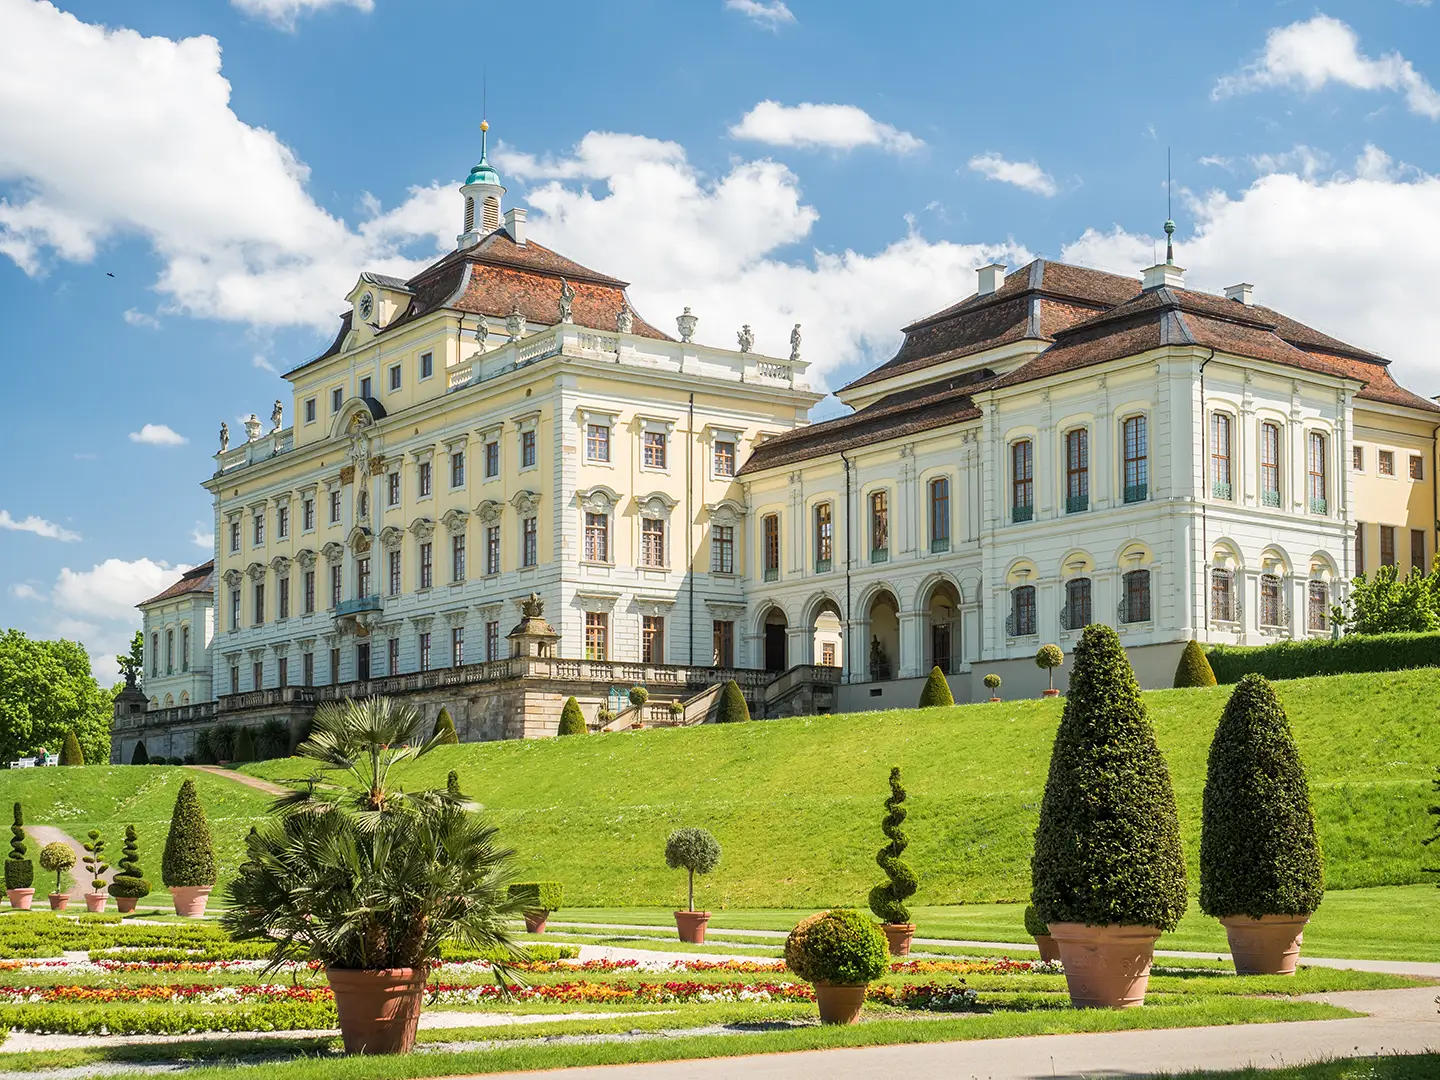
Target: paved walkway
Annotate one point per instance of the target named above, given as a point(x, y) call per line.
point(242, 778)
point(48, 834)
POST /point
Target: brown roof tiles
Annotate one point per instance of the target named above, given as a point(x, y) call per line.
point(195, 580)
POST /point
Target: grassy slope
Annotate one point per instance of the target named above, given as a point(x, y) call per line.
point(796, 803)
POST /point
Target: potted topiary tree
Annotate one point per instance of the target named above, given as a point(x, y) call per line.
point(733, 709)
point(677, 710)
point(839, 952)
point(129, 885)
point(888, 901)
point(1108, 875)
point(638, 696)
point(698, 852)
point(572, 720)
point(445, 729)
point(1261, 870)
point(1037, 928)
point(70, 752)
point(936, 690)
point(95, 867)
point(1194, 667)
point(993, 682)
point(188, 865)
point(537, 900)
point(56, 858)
point(1048, 659)
point(371, 880)
point(19, 871)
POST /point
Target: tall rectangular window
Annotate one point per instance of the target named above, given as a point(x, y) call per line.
point(427, 365)
point(1077, 470)
point(1386, 460)
point(492, 549)
point(722, 549)
point(1417, 467)
point(282, 598)
point(282, 671)
point(530, 546)
point(597, 633)
point(257, 675)
point(1272, 607)
point(282, 522)
point(427, 564)
point(654, 450)
point(652, 639)
point(1077, 613)
point(652, 542)
point(234, 678)
point(1319, 489)
point(1318, 606)
point(259, 522)
point(770, 546)
point(724, 457)
point(423, 647)
point(1417, 550)
point(309, 410)
point(334, 507)
point(392, 656)
point(1022, 480)
point(1222, 596)
point(1135, 608)
point(940, 514)
point(394, 378)
point(457, 558)
point(723, 632)
point(423, 479)
point(337, 398)
point(1220, 486)
point(457, 646)
point(259, 609)
point(307, 669)
point(234, 614)
point(1136, 438)
point(308, 580)
point(335, 666)
point(307, 514)
point(392, 489)
point(362, 576)
point(336, 580)
point(169, 652)
point(1269, 464)
point(234, 536)
point(185, 645)
point(879, 526)
point(492, 459)
point(597, 537)
point(1357, 458)
point(457, 469)
point(365, 390)
point(1022, 611)
point(527, 449)
point(597, 442)
point(1387, 545)
point(392, 559)
point(824, 538)
point(492, 641)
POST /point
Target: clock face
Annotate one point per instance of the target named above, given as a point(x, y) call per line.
point(367, 307)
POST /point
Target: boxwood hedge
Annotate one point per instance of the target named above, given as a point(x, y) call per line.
point(1325, 656)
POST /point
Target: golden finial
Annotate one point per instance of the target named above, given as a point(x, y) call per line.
point(484, 125)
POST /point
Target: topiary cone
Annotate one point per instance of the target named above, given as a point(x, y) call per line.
point(936, 690)
point(139, 756)
point(445, 728)
point(70, 752)
point(733, 709)
point(572, 720)
point(1194, 667)
point(188, 865)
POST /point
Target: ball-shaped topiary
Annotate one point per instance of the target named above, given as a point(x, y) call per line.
point(733, 709)
point(677, 708)
point(1048, 658)
point(56, 858)
point(1259, 851)
point(1107, 849)
point(19, 871)
point(188, 859)
point(130, 879)
point(1035, 926)
point(572, 720)
point(70, 752)
point(694, 850)
point(1194, 667)
point(638, 696)
point(139, 756)
point(445, 728)
point(936, 690)
point(842, 947)
point(993, 682)
point(888, 901)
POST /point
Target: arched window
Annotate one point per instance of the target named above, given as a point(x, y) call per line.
point(940, 514)
point(1318, 607)
point(1272, 605)
point(1220, 485)
point(469, 214)
point(1076, 613)
point(1077, 471)
point(1022, 480)
point(1270, 464)
point(1222, 596)
point(1136, 440)
point(1022, 612)
point(1135, 604)
point(184, 697)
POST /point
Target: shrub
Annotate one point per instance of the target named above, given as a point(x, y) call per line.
point(452, 784)
point(695, 850)
point(1048, 658)
point(1259, 852)
point(222, 741)
point(94, 860)
point(535, 896)
point(445, 729)
point(677, 708)
point(189, 759)
point(130, 880)
point(936, 690)
point(1325, 656)
point(992, 681)
point(188, 858)
point(159, 759)
point(1384, 603)
point(1194, 669)
point(70, 752)
point(56, 858)
point(842, 947)
point(244, 746)
point(1107, 849)
point(1035, 926)
point(572, 720)
point(638, 696)
point(204, 748)
point(888, 901)
point(733, 709)
point(19, 871)
point(273, 740)
point(138, 756)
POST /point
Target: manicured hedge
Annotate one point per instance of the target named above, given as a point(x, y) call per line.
point(1324, 656)
point(188, 859)
point(538, 895)
point(572, 720)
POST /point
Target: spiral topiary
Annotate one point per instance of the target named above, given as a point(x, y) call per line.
point(888, 901)
point(130, 879)
point(842, 947)
point(19, 871)
point(936, 691)
point(1194, 667)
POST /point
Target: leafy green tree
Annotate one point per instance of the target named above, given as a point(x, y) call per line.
point(733, 709)
point(132, 664)
point(936, 690)
point(888, 901)
point(70, 752)
point(47, 689)
point(273, 740)
point(19, 871)
point(189, 858)
point(445, 728)
point(572, 720)
point(695, 850)
point(130, 879)
point(1194, 667)
point(1383, 602)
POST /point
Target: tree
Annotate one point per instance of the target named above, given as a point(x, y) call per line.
point(47, 689)
point(56, 858)
point(1384, 603)
point(130, 879)
point(638, 696)
point(19, 871)
point(445, 729)
point(1107, 849)
point(733, 709)
point(188, 858)
point(992, 682)
point(244, 746)
point(936, 690)
point(139, 756)
point(1194, 667)
point(1259, 851)
point(888, 901)
point(132, 664)
point(572, 720)
point(1048, 659)
point(695, 850)
point(70, 752)
point(274, 739)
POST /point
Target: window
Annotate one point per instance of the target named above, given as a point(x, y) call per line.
point(652, 542)
point(652, 639)
point(527, 449)
point(529, 536)
point(1269, 464)
point(169, 652)
point(1359, 547)
point(155, 653)
point(257, 675)
point(722, 549)
point(827, 654)
point(879, 526)
point(334, 507)
point(308, 584)
point(235, 536)
point(1417, 467)
point(422, 478)
point(1387, 545)
point(597, 537)
point(362, 661)
point(394, 378)
point(185, 648)
point(1222, 596)
point(1357, 458)
point(1077, 471)
point(282, 522)
point(234, 678)
point(770, 545)
point(282, 671)
point(307, 515)
point(492, 549)
point(392, 656)
point(940, 514)
point(1137, 459)
point(1022, 480)
point(234, 614)
point(365, 386)
point(724, 638)
point(1319, 489)
point(364, 504)
point(724, 457)
point(1022, 611)
point(309, 410)
point(457, 558)
point(597, 442)
point(282, 598)
point(457, 469)
point(1135, 607)
point(1317, 606)
point(492, 459)
point(259, 609)
point(427, 564)
point(597, 628)
point(457, 646)
point(362, 577)
point(307, 669)
point(1387, 462)
point(392, 489)
point(492, 641)
point(1076, 613)
point(424, 649)
point(1220, 486)
point(824, 537)
point(335, 586)
point(427, 365)
point(654, 450)
point(1417, 550)
point(334, 665)
point(337, 398)
point(258, 533)
point(1271, 606)
point(392, 559)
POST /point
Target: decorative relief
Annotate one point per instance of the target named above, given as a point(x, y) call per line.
point(280, 564)
point(489, 511)
point(256, 571)
point(526, 502)
point(391, 537)
point(597, 500)
point(456, 618)
point(625, 321)
point(656, 504)
point(233, 577)
point(725, 512)
point(359, 541)
point(280, 648)
point(685, 323)
point(347, 474)
point(515, 323)
point(567, 300)
point(306, 558)
point(455, 520)
point(746, 338)
point(423, 528)
point(422, 623)
point(333, 552)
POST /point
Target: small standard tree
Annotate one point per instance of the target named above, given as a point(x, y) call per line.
point(887, 901)
point(445, 729)
point(936, 690)
point(733, 709)
point(189, 858)
point(129, 879)
point(70, 752)
point(572, 720)
point(693, 850)
point(138, 756)
point(992, 682)
point(19, 871)
point(1047, 660)
point(1194, 667)
point(638, 696)
point(56, 858)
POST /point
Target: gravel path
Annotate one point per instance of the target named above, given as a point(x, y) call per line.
point(242, 778)
point(48, 834)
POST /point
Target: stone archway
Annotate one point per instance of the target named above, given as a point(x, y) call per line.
point(775, 634)
point(940, 606)
point(825, 628)
point(883, 655)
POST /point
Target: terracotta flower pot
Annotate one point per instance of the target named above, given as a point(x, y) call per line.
point(899, 936)
point(59, 901)
point(994, 699)
point(535, 921)
point(691, 925)
point(1050, 692)
point(126, 904)
point(190, 900)
point(1049, 950)
point(20, 898)
point(1269, 945)
point(379, 1010)
point(95, 901)
point(1106, 967)
point(839, 1004)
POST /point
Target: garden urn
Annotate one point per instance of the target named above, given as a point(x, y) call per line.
point(898, 936)
point(126, 904)
point(691, 925)
point(59, 901)
point(95, 901)
point(1269, 945)
point(20, 898)
point(839, 1004)
point(1049, 950)
point(535, 921)
point(1106, 967)
point(378, 1010)
point(190, 900)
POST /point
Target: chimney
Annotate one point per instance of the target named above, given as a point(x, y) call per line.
point(1163, 274)
point(991, 278)
point(515, 224)
point(1242, 293)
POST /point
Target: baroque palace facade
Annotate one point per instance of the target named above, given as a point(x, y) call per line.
point(503, 486)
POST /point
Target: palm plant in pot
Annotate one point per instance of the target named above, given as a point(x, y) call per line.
point(187, 866)
point(1261, 870)
point(19, 871)
point(353, 873)
point(1108, 874)
point(56, 858)
point(840, 952)
point(95, 866)
point(887, 901)
point(696, 851)
point(129, 886)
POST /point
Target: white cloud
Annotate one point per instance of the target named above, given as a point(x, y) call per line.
point(283, 13)
point(224, 205)
point(836, 127)
point(37, 525)
point(264, 365)
point(1309, 55)
point(158, 435)
point(203, 537)
point(25, 591)
point(136, 317)
point(1026, 175)
point(768, 13)
point(710, 242)
point(1302, 159)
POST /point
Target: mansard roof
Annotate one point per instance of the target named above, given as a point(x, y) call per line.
point(198, 579)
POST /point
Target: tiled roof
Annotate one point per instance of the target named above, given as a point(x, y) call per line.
point(198, 579)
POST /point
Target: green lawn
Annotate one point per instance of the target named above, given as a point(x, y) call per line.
point(1413, 1067)
point(796, 803)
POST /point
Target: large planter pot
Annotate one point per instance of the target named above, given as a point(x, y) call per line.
point(1049, 950)
point(535, 921)
point(691, 925)
point(95, 901)
point(1106, 967)
point(190, 900)
point(1269, 945)
point(899, 935)
point(20, 898)
point(379, 1010)
point(839, 1004)
point(59, 901)
point(126, 904)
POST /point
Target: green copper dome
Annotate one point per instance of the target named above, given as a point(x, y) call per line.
point(483, 173)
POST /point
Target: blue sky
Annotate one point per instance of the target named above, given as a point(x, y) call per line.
point(235, 164)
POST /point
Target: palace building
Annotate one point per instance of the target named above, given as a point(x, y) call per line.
point(503, 487)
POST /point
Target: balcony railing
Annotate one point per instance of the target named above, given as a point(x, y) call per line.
point(939, 544)
point(1270, 498)
point(1319, 506)
point(1022, 513)
point(824, 566)
point(1077, 504)
point(880, 555)
point(772, 573)
point(1220, 489)
point(357, 605)
point(1019, 627)
point(1136, 492)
